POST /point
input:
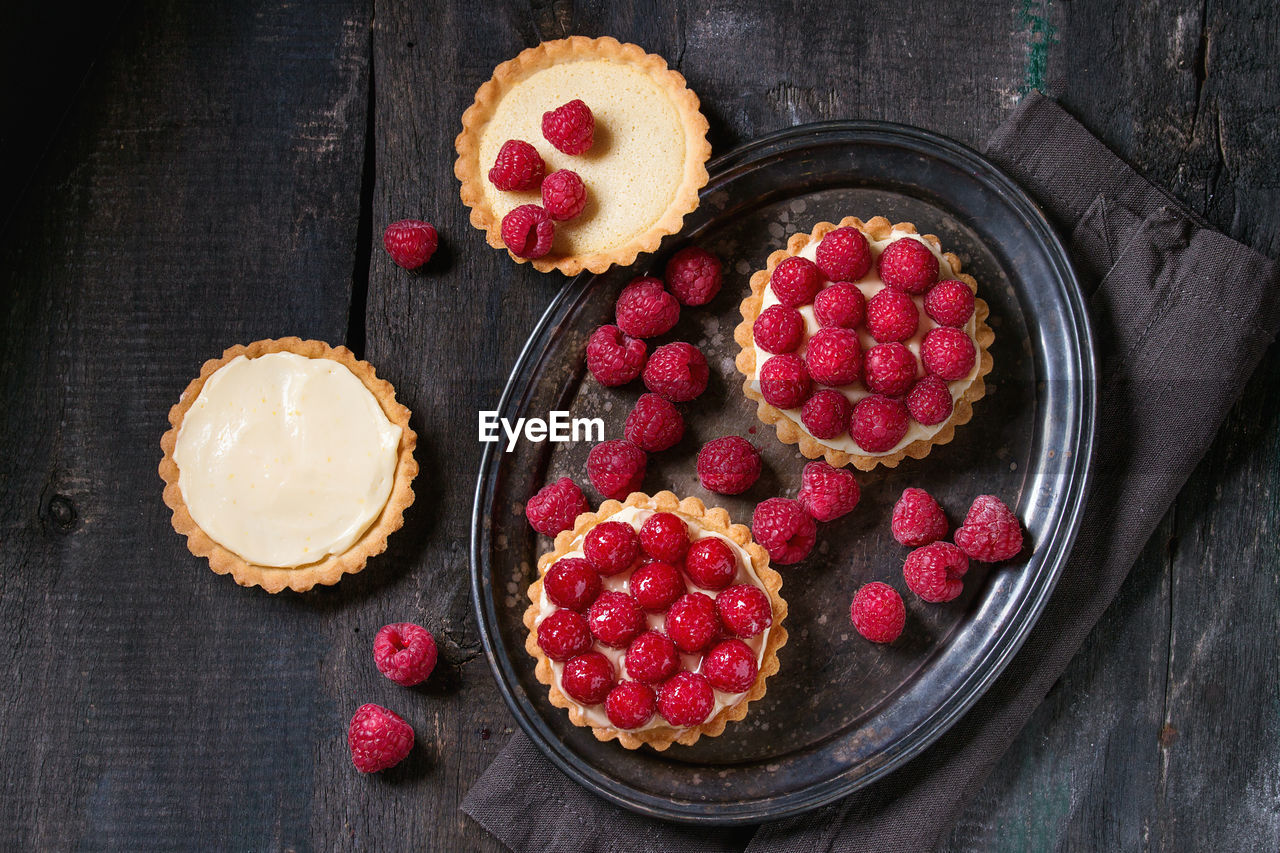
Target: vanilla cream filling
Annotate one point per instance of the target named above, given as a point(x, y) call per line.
point(636, 516)
point(870, 285)
point(285, 459)
point(632, 169)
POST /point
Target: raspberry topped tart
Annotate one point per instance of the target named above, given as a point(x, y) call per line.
point(581, 153)
point(655, 621)
point(864, 343)
point(288, 463)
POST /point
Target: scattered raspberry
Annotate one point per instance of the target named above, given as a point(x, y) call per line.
point(907, 265)
point(572, 582)
point(665, 537)
point(730, 666)
point(844, 254)
point(834, 356)
point(694, 276)
point(778, 329)
point(630, 705)
point(654, 424)
point(890, 369)
point(711, 564)
point(645, 309)
point(840, 305)
point(991, 532)
point(615, 619)
point(588, 678)
point(795, 281)
point(613, 357)
point(555, 507)
point(917, 519)
point(728, 465)
point(827, 493)
point(528, 231)
point(655, 586)
point(677, 371)
point(616, 468)
point(570, 127)
point(892, 316)
point(410, 242)
point(405, 653)
point(826, 414)
point(930, 401)
point(692, 622)
point(652, 658)
point(784, 529)
point(934, 571)
point(879, 423)
point(564, 634)
point(784, 381)
point(745, 610)
point(948, 353)
point(517, 167)
point(686, 699)
point(378, 738)
point(878, 612)
point(563, 195)
point(949, 303)
point(611, 547)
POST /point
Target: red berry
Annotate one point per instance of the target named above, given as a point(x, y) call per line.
point(779, 328)
point(555, 507)
point(694, 276)
point(745, 610)
point(572, 582)
point(615, 619)
point(879, 423)
point(588, 678)
point(892, 316)
point(652, 658)
point(564, 634)
point(878, 612)
point(518, 166)
point(616, 468)
point(890, 369)
point(711, 564)
point(630, 705)
point(907, 265)
point(654, 424)
point(563, 195)
point(949, 303)
point(378, 738)
point(728, 465)
point(528, 231)
point(826, 492)
point(655, 586)
point(795, 281)
point(948, 353)
point(784, 529)
point(826, 414)
point(405, 653)
point(665, 537)
point(686, 699)
point(834, 356)
point(611, 547)
point(844, 254)
point(692, 623)
point(991, 532)
point(613, 357)
point(410, 242)
point(934, 572)
point(730, 666)
point(784, 381)
point(930, 401)
point(645, 309)
point(841, 305)
point(917, 519)
point(677, 371)
point(570, 127)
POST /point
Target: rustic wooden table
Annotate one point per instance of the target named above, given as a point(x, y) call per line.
point(176, 179)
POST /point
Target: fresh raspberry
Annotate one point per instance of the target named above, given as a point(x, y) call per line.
point(615, 619)
point(949, 303)
point(784, 529)
point(930, 401)
point(611, 547)
point(892, 316)
point(555, 507)
point(917, 519)
point(934, 571)
point(826, 492)
point(616, 468)
point(991, 532)
point(564, 634)
point(563, 195)
point(570, 127)
point(405, 653)
point(613, 357)
point(745, 610)
point(677, 371)
point(654, 424)
point(834, 356)
point(517, 167)
point(728, 465)
point(841, 305)
point(778, 329)
point(692, 622)
point(711, 564)
point(528, 231)
point(630, 705)
point(907, 265)
point(730, 666)
point(878, 612)
point(652, 658)
point(784, 381)
point(890, 369)
point(844, 254)
point(948, 353)
point(826, 414)
point(655, 586)
point(665, 537)
point(572, 582)
point(795, 281)
point(686, 699)
point(410, 242)
point(879, 423)
point(378, 738)
point(694, 276)
point(588, 678)
point(645, 309)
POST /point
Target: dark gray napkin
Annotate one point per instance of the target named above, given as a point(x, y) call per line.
point(1182, 316)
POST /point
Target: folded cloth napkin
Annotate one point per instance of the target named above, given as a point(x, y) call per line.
point(1182, 315)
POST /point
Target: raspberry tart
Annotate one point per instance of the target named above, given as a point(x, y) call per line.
point(864, 343)
point(676, 639)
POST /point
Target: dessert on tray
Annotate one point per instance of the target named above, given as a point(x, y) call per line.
point(288, 463)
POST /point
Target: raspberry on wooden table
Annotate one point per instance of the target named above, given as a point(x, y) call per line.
point(528, 231)
point(611, 547)
point(744, 610)
point(827, 492)
point(948, 353)
point(879, 423)
point(588, 678)
point(563, 195)
point(616, 468)
point(878, 613)
point(991, 532)
point(652, 658)
point(826, 414)
point(711, 563)
point(892, 316)
point(784, 381)
point(656, 585)
point(778, 329)
point(917, 519)
point(378, 738)
point(694, 276)
point(731, 666)
point(645, 309)
point(615, 619)
point(655, 424)
point(686, 699)
point(949, 303)
point(692, 622)
point(614, 357)
point(405, 653)
point(795, 281)
point(517, 167)
point(934, 571)
point(410, 242)
point(783, 528)
point(834, 356)
point(844, 254)
point(890, 369)
point(572, 582)
point(841, 305)
point(564, 634)
point(570, 127)
point(907, 265)
point(555, 507)
point(929, 401)
point(728, 465)
point(677, 371)
point(630, 705)
point(664, 536)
